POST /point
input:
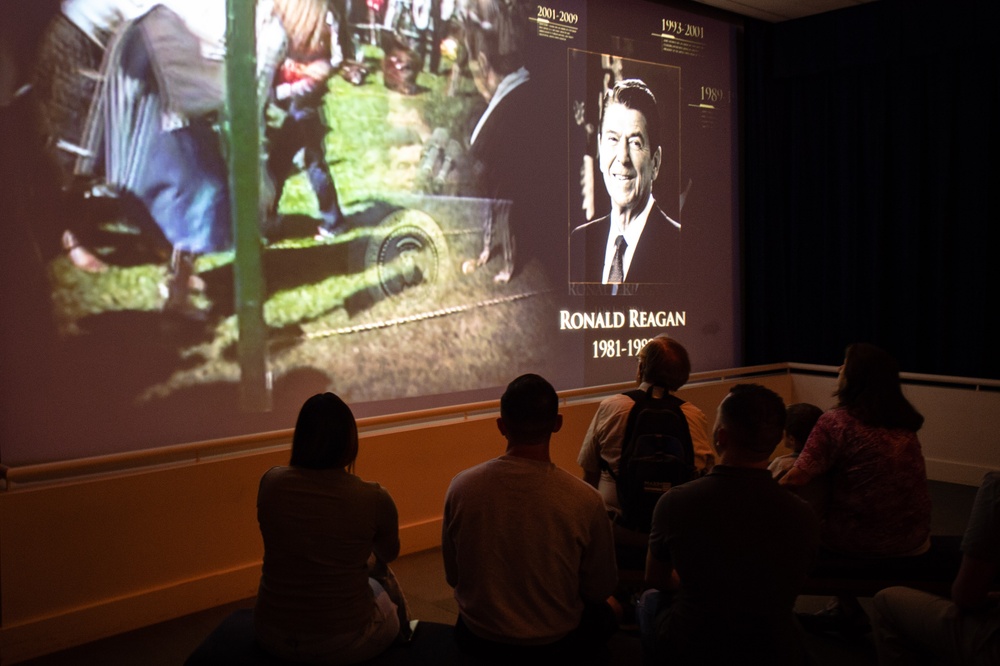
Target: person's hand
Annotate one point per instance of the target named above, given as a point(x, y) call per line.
point(318, 70)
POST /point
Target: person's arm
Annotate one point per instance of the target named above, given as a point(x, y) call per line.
point(980, 547)
point(660, 575)
point(796, 477)
point(704, 452)
point(590, 452)
point(660, 572)
point(970, 589)
point(301, 79)
point(448, 552)
point(386, 543)
point(779, 467)
point(598, 569)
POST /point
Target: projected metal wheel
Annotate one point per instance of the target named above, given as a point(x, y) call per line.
point(407, 248)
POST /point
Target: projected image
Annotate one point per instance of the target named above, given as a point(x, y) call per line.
point(425, 170)
point(673, 182)
point(637, 241)
point(398, 258)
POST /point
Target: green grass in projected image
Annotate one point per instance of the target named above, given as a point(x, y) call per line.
point(373, 148)
point(316, 290)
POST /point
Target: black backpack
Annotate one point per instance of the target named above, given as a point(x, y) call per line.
point(657, 454)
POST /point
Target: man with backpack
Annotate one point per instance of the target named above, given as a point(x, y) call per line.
point(640, 444)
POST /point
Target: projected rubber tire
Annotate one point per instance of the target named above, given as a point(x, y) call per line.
point(406, 249)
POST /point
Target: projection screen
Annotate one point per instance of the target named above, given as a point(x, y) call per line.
point(441, 195)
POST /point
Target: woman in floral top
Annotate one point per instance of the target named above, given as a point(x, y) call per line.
point(866, 449)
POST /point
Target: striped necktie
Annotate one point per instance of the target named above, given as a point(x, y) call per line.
point(617, 273)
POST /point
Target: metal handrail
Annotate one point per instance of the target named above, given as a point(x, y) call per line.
point(197, 452)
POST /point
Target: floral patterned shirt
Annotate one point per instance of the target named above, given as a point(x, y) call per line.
point(879, 504)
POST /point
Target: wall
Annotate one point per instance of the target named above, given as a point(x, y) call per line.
point(959, 437)
point(89, 557)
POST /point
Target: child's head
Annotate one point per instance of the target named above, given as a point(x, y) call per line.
point(799, 421)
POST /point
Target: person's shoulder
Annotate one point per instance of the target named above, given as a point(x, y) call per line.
point(594, 226)
point(662, 221)
point(616, 403)
point(686, 499)
point(991, 480)
point(988, 493)
point(571, 480)
point(282, 480)
point(690, 491)
point(373, 487)
point(613, 409)
point(278, 474)
point(471, 474)
point(523, 93)
point(690, 409)
point(568, 484)
point(836, 415)
point(832, 420)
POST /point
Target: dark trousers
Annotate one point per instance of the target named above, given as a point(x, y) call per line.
point(304, 128)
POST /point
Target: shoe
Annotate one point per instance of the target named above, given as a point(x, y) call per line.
point(178, 288)
point(353, 72)
point(80, 256)
point(324, 234)
point(405, 635)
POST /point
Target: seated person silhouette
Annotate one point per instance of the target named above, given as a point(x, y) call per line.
point(867, 449)
point(799, 421)
point(326, 594)
point(526, 545)
point(915, 627)
point(729, 551)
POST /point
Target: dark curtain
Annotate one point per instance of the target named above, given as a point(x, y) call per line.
point(871, 186)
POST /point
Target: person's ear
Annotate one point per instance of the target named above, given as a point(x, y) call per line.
point(557, 425)
point(657, 156)
point(501, 427)
point(721, 438)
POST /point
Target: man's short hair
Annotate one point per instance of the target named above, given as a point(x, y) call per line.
point(800, 419)
point(755, 418)
point(634, 94)
point(529, 407)
point(664, 362)
point(495, 28)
